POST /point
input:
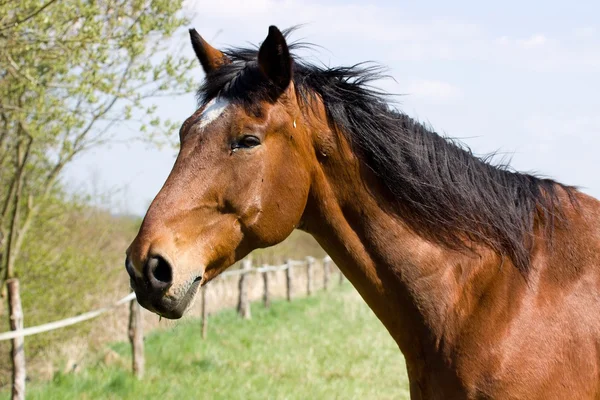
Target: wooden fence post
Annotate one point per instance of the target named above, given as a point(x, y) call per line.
point(288, 279)
point(136, 337)
point(18, 343)
point(309, 275)
point(204, 313)
point(326, 262)
point(266, 297)
point(244, 303)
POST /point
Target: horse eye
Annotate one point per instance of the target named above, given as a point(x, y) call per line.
point(247, 142)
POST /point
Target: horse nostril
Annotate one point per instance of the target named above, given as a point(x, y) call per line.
point(129, 267)
point(159, 273)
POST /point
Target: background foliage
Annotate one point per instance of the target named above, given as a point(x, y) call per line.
point(74, 74)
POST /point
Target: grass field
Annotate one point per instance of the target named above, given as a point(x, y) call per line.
point(330, 346)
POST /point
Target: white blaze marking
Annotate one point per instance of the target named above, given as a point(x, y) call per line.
point(213, 110)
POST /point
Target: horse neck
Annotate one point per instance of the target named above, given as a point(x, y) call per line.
point(413, 285)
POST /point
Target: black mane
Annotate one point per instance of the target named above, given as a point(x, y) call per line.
point(442, 191)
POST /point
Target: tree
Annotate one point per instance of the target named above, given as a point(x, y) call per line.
point(71, 71)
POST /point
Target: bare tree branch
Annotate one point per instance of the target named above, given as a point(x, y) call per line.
point(11, 252)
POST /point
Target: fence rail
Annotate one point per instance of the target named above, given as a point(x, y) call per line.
point(135, 331)
point(34, 330)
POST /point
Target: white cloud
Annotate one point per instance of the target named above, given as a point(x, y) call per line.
point(584, 32)
point(393, 35)
point(539, 52)
point(434, 91)
point(504, 40)
point(533, 41)
point(381, 25)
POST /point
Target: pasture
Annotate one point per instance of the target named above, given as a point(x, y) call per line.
point(327, 346)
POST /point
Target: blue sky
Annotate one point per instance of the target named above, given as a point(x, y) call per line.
point(518, 77)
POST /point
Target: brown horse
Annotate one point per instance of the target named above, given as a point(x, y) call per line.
point(488, 279)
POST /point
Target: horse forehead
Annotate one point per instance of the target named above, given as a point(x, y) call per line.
point(212, 111)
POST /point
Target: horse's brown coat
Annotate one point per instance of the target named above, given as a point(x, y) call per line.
point(469, 324)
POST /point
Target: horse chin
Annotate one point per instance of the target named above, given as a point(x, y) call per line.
point(168, 306)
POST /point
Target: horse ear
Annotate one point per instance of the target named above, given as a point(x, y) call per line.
point(274, 59)
point(210, 58)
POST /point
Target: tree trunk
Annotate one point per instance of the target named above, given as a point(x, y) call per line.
point(18, 343)
point(11, 250)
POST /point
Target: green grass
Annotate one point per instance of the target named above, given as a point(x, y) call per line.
point(330, 346)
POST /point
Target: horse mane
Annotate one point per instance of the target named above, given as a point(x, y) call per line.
point(440, 189)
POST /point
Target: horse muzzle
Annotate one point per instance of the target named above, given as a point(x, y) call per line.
point(155, 289)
